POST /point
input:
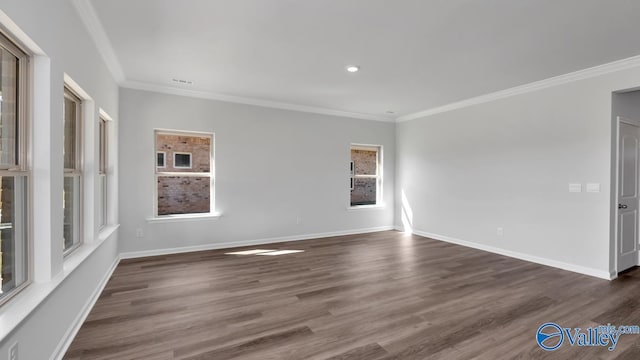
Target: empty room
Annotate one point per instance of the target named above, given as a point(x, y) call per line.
point(356, 179)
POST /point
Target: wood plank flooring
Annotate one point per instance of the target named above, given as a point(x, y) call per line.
point(375, 296)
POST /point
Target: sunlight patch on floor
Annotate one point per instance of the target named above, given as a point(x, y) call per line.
point(248, 252)
point(264, 252)
point(280, 252)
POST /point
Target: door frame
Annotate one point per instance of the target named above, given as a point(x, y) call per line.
point(615, 187)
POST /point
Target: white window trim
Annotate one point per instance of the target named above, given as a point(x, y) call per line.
point(379, 172)
point(182, 153)
point(212, 214)
point(13, 313)
point(109, 217)
point(23, 157)
point(72, 89)
point(184, 217)
point(103, 171)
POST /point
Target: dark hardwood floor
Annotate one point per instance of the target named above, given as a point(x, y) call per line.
point(375, 296)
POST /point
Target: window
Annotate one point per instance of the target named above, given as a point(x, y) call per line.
point(366, 178)
point(102, 171)
point(14, 171)
point(184, 184)
point(182, 160)
point(160, 159)
point(72, 192)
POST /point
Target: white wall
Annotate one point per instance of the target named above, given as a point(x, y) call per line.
point(54, 27)
point(508, 163)
point(463, 173)
point(272, 166)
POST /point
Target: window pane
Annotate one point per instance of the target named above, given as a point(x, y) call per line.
point(13, 236)
point(365, 161)
point(103, 147)
point(183, 195)
point(364, 191)
point(8, 113)
point(160, 159)
point(182, 160)
point(71, 195)
point(103, 198)
point(179, 146)
point(70, 131)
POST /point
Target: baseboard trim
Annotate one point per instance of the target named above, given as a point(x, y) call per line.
point(233, 244)
point(606, 275)
point(71, 333)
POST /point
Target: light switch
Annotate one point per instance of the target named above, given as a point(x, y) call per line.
point(593, 187)
point(575, 188)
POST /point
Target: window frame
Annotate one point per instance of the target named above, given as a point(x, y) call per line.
point(378, 176)
point(103, 169)
point(211, 174)
point(22, 168)
point(76, 172)
point(182, 153)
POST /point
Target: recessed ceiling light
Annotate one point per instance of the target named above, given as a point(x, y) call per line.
point(353, 68)
point(182, 81)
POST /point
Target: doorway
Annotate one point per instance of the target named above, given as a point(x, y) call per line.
point(626, 196)
point(627, 193)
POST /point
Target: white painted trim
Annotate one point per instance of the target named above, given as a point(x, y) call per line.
point(107, 231)
point(76, 88)
point(71, 333)
point(367, 207)
point(136, 85)
point(591, 72)
point(185, 217)
point(526, 257)
point(615, 165)
point(104, 114)
point(13, 30)
point(19, 308)
point(91, 21)
point(234, 244)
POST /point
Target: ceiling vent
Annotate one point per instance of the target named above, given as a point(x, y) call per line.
point(182, 81)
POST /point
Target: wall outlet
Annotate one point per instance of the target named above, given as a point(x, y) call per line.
point(298, 219)
point(575, 188)
point(13, 352)
point(139, 233)
point(500, 231)
point(593, 187)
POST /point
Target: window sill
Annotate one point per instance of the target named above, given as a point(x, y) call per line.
point(107, 231)
point(366, 207)
point(79, 254)
point(16, 310)
point(181, 218)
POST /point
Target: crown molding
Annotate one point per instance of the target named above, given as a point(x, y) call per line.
point(96, 31)
point(138, 85)
point(91, 21)
point(591, 72)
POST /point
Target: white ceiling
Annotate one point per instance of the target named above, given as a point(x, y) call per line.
point(414, 54)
